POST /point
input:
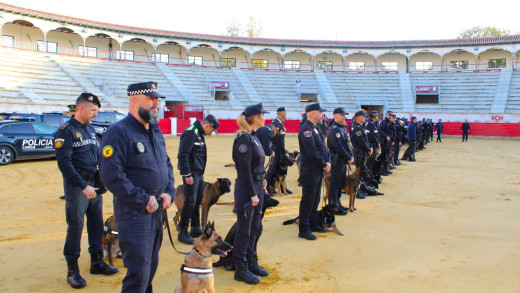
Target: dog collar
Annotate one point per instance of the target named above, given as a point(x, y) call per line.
point(196, 271)
point(110, 231)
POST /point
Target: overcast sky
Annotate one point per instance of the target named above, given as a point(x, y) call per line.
point(319, 20)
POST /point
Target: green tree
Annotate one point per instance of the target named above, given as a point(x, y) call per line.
point(483, 31)
point(234, 28)
point(254, 28)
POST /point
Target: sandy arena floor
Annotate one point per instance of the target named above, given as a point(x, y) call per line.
point(448, 223)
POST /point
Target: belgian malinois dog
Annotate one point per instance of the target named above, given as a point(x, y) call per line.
point(197, 270)
point(280, 174)
point(211, 194)
point(353, 182)
point(110, 240)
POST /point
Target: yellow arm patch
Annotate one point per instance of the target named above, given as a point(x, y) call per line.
point(108, 151)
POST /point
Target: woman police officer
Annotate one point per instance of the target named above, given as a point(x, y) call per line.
point(249, 158)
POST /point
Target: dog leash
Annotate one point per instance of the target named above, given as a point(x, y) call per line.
point(165, 222)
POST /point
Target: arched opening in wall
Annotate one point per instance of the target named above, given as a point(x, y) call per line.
point(267, 59)
point(328, 61)
point(495, 58)
point(516, 64)
point(137, 50)
point(359, 62)
point(392, 62)
point(64, 40)
point(171, 53)
point(458, 60)
point(22, 34)
point(204, 55)
point(100, 46)
point(235, 57)
point(297, 60)
point(425, 61)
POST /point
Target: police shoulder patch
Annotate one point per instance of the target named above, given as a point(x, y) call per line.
point(58, 143)
point(242, 148)
point(64, 125)
point(358, 133)
point(108, 151)
point(307, 133)
point(338, 135)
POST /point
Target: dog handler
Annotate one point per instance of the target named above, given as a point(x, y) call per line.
point(192, 158)
point(338, 144)
point(136, 168)
point(77, 155)
point(249, 158)
point(314, 161)
point(359, 139)
point(278, 147)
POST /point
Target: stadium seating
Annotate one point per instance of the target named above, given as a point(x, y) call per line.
point(50, 80)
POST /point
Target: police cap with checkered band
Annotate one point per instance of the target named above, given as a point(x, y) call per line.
point(145, 88)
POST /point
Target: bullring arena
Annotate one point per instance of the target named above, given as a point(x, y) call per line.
point(447, 223)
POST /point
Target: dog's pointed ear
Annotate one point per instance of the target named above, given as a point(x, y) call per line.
point(208, 231)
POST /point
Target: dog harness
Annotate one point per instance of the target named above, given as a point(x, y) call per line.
point(196, 271)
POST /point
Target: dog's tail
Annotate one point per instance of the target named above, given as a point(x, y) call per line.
point(291, 221)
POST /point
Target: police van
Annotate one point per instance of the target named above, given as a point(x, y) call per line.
point(54, 119)
point(24, 139)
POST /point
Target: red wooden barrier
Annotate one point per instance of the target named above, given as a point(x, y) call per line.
point(166, 126)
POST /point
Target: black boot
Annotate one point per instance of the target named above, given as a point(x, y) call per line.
point(336, 210)
point(98, 266)
point(185, 237)
point(195, 232)
point(256, 269)
point(242, 273)
point(288, 191)
point(74, 279)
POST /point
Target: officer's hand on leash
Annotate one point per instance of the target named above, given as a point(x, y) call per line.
point(255, 200)
point(351, 161)
point(327, 168)
point(90, 192)
point(188, 180)
point(167, 200)
point(152, 205)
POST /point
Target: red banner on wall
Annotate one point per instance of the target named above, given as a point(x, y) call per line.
point(426, 89)
point(219, 85)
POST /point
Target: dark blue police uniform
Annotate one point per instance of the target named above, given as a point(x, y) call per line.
point(314, 157)
point(134, 165)
point(192, 158)
point(465, 130)
point(439, 127)
point(360, 144)
point(265, 135)
point(373, 138)
point(338, 144)
point(278, 147)
point(412, 137)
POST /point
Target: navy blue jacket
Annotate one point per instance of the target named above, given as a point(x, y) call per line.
point(134, 165)
point(337, 141)
point(359, 139)
point(249, 157)
point(412, 134)
point(384, 129)
point(265, 135)
point(373, 137)
point(314, 154)
point(278, 141)
point(439, 127)
point(465, 127)
point(192, 155)
point(76, 151)
point(398, 133)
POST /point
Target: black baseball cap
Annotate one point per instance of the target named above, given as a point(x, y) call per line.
point(374, 113)
point(89, 98)
point(255, 109)
point(314, 107)
point(144, 88)
point(212, 121)
point(339, 111)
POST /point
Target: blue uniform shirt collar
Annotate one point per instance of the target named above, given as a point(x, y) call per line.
point(77, 123)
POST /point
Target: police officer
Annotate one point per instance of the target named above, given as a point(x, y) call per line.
point(77, 156)
point(192, 158)
point(439, 127)
point(360, 145)
point(315, 160)
point(265, 134)
point(278, 147)
point(398, 132)
point(249, 158)
point(71, 112)
point(465, 130)
point(137, 170)
point(386, 142)
point(409, 154)
point(338, 144)
point(373, 136)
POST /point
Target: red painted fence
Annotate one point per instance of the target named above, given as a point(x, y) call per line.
point(293, 126)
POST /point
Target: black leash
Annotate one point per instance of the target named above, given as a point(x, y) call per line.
point(165, 223)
